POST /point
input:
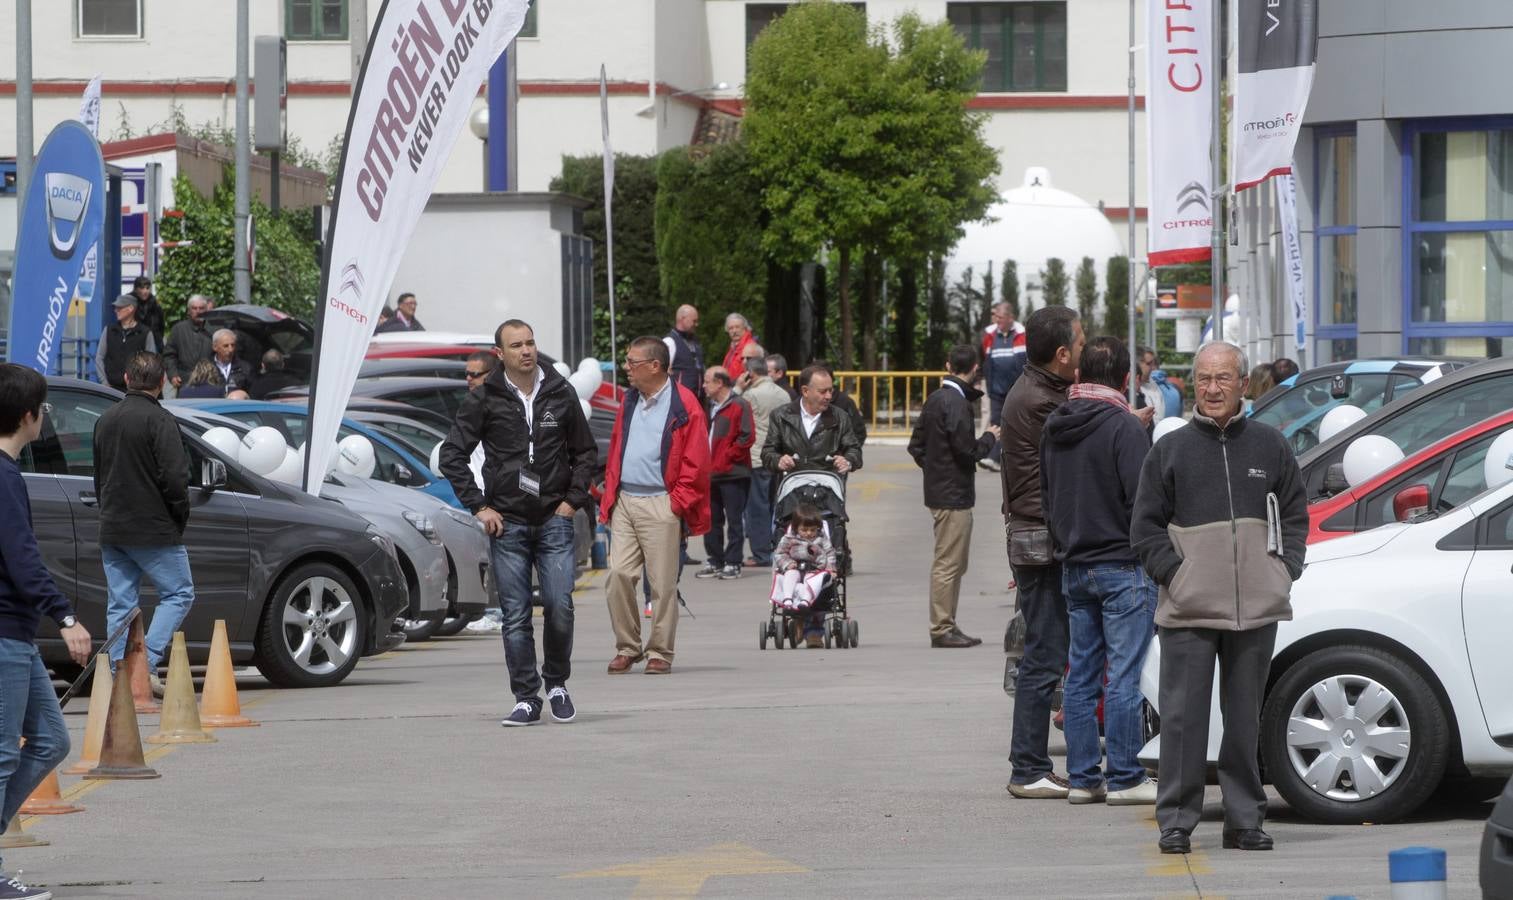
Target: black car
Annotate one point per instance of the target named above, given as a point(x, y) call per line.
point(263, 555)
point(413, 367)
point(262, 328)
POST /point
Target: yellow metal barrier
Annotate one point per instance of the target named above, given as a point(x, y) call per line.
point(889, 401)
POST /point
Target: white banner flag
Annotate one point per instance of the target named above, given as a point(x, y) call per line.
point(1292, 257)
point(426, 60)
point(1178, 122)
point(89, 107)
point(1278, 46)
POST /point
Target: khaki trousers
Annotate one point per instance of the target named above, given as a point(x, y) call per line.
point(953, 540)
point(644, 531)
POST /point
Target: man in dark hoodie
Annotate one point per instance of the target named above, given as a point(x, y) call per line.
point(1090, 459)
point(538, 458)
point(944, 445)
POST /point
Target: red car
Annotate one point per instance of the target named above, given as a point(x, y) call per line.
point(1439, 477)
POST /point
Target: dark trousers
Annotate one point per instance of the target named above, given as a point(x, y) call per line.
point(995, 414)
point(1187, 675)
point(1046, 644)
point(727, 521)
point(759, 516)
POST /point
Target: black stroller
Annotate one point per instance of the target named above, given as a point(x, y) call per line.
point(825, 491)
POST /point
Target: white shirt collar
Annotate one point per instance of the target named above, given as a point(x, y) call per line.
point(809, 422)
point(650, 400)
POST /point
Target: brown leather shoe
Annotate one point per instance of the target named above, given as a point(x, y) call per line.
point(658, 667)
point(951, 639)
point(621, 664)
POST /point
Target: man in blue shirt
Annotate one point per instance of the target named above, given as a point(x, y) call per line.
point(28, 704)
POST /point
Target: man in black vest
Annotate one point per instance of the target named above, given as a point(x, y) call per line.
point(120, 342)
point(687, 356)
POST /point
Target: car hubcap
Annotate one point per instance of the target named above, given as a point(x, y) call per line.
point(1348, 738)
point(320, 626)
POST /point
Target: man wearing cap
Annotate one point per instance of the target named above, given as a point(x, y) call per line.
point(149, 311)
point(121, 341)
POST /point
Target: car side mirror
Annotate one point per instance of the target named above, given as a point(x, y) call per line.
point(1335, 481)
point(1410, 501)
point(212, 474)
point(1339, 386)
point(402, 474)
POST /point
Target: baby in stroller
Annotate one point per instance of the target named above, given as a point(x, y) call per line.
point(803, 563)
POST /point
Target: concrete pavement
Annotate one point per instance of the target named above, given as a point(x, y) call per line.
point(872, 772)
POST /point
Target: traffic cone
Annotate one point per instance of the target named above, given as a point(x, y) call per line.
point(219, 707)
point(47, 800)
point(121, 746)
point(94, 723)
point(14, 837)
point(136, 669)
point(181, 718)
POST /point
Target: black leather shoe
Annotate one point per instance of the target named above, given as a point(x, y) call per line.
point(959, 633)
point(952, 639)
point(1174, 840)
point(1247, 839)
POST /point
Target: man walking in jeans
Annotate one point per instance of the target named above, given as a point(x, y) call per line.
point(1053, 345)
point(1111, 602)
point(142, 485)
point(28, 703)
point(538, 458)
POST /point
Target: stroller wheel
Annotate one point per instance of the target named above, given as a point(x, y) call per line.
point(762, 629)
point(836, 634)
point(853, 633)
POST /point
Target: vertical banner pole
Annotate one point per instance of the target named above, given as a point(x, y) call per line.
point(1216, 182)
point(609, 223)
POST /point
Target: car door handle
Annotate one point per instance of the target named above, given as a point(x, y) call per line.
point(88, 498)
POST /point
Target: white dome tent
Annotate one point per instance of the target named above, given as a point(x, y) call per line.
point(1031, 224)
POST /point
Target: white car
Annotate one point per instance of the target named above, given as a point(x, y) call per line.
point(1396, 671)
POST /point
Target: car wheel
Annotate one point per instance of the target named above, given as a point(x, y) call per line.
point(1354, 734)
point(453, 625)
point(421, 630)
point(313, 630)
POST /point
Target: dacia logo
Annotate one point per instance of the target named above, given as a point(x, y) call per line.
point(67, 201)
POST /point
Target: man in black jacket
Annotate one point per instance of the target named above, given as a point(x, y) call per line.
point(944, 446)
point(142, 483)
point(810, 433)
point(188, 342)
point(273, 377)
point(120, 342)
point(149, 310)
point(1090, 458)
point(538, 458)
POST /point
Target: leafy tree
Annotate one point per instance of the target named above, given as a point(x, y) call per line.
point(286, 275)
point(1116, 298)
point(1086, 285)
point(1053, 282)
point(1009, 286)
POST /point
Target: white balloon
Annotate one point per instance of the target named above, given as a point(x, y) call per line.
point(224, 440)
point(1339, 419)
point(589, 368)
point(355, 456)
point(581, 384)
point(1370, 455)
point(1166, 426)
point(562, 369)
point(1499, 459)
point(436, 458)
point(290, 470)
point(588, 408)
point(262, 449)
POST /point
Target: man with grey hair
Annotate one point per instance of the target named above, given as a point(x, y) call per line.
point(234, 371)
point(188, 341)
point(1220, 523)
point(777, 370)
point(739, 330)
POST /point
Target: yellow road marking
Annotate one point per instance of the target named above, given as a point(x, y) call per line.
point(872, 490)
point(893, 467)
point(683, 875)
point(1176, 865)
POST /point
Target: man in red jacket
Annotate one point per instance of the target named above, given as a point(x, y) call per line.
point(732, 431)
point(739, 331)
point(656, 489)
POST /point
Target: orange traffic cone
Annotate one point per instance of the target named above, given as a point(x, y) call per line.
point(219, 706)
point(14, 837)
point(136, 669)
point(121, 747)
point(94, 723)
point(181, 718)
point(47, 800)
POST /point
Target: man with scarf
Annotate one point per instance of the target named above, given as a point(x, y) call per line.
point(1111, 601)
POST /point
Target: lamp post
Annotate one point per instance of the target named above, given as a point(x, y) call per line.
point(478, 123)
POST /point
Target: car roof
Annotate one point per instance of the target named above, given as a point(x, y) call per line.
point(383, 367)
point(476, 339)
point(377, 386)
point(251, 311)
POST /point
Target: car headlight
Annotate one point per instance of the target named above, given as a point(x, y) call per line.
point(422, 525)
point(462, 518)
point(383, 543)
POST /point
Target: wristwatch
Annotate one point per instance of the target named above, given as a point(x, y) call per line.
point(68, 622)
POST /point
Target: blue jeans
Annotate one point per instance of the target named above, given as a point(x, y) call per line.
point(168, 570)
point(29, 709)
point(759, 516)
point(549, 548)
point(1111, 611)
point(1045, 649)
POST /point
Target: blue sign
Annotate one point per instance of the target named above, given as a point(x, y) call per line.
point(64, 213)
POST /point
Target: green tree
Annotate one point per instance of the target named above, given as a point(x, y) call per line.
point(1009, 286)
point(286, 275)
point(1053, 283)
point(1086, 286)
point(1116, 298)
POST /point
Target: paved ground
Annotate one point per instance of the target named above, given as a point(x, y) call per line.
point(874, 772)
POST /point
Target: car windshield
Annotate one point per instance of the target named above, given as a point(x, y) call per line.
point(1448, 411)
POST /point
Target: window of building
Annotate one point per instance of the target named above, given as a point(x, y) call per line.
point(1335, 297)
point(760, 15)
point(109, 18)
point(1025, 43)
point(315, 20)
point(1458, 238)
point(528, 30)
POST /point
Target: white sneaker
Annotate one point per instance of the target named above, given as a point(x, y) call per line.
point(1142, 794)
point(1082, 796)
point(1047, 787)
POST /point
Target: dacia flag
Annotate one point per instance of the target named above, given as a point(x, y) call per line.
point(62, 218)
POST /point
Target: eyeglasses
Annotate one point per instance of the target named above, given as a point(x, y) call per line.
point(632, 363)
point(1224, 381)
point(471, 375)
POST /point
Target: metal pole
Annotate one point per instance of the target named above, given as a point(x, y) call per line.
point(154, 179)
point(23, 104)
point(1216, 172)
point(357, 38)
point(1134, 357)
point(243, 277)
point(497, 169)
